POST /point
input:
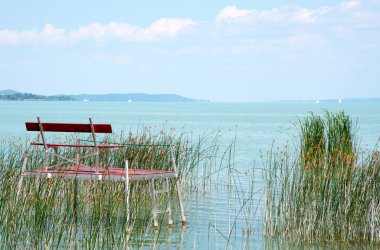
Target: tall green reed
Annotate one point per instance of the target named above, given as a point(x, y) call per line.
point(321, 191)
point(63, 213)
point(57, 212)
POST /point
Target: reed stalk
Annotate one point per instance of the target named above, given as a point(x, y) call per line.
point(323, 191)
point(71, 213)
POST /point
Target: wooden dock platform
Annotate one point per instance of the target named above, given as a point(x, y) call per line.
point(73, 168)
point(100, 173)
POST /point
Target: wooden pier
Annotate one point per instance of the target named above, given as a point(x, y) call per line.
point(75, 169)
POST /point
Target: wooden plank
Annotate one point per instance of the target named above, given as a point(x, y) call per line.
point(68, 127)
point(113, 174)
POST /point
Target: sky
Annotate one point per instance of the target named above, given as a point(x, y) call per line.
point(228, 51)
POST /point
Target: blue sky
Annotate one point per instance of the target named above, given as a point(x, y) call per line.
point(217, 50)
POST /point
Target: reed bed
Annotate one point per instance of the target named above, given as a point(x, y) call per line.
point(63, 213)
point(325, 189)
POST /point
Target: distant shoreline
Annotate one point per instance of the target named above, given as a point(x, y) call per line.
point(12, 95)
point(342, 100)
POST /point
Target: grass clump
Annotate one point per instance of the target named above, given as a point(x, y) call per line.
point(323, 191)
point(71, 213)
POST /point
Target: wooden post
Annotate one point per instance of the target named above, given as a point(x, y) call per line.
point(178, 187)
point(95, 144)
point(46, 149)
point(127, 193)
point(154, 207)
point(75, 202)
point(19, 186)
point(170, 221)
point(77, 156)
point(55, 155)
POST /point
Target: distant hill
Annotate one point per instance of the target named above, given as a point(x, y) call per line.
point(132, 97)
point(11, 95)
point(8, 92)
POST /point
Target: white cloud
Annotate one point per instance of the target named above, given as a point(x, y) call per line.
point(287, 13)
point(15, 37)
point(162, 28)
point(231, 12)
point(297, 14)
point(50, 34)
point(101, 32)
point(166, 27)
point(294, 28)
point(305, 16)
point(349, 5)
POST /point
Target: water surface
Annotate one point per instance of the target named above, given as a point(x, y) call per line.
point(255, 126)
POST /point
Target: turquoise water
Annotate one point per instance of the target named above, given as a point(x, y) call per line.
point(256, 126)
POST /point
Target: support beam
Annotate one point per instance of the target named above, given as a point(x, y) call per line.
point(127, 192)
point(170, 221)
point(178, 187)
point(19, 185)
point(154, 206)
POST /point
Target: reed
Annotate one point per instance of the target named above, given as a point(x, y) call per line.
point(322, 191)
point(56, 212)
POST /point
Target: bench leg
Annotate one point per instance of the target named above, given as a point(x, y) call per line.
point(46, 159)
point(97, 160)
point(170, 221)
point(154, 207)
point(55, 155)
point(178, 187)
point(19, 186)
point(77, 159)
point(127, 192)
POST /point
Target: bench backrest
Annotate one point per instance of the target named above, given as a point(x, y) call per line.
point(68, 127)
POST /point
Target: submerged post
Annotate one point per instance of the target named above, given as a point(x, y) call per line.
point(77, 155)
point(178, 186)
point(169, 209)
point(154, 208)
point(95, 144)
point(127, 192)
point(46, 149)
point(19, 186)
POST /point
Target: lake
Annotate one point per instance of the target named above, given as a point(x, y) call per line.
point(254, 126)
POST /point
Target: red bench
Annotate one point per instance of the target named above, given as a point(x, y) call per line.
point(81, 171)
point(69, 128)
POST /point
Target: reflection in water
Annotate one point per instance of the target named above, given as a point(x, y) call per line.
point(223, 216)
point(165, 239)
